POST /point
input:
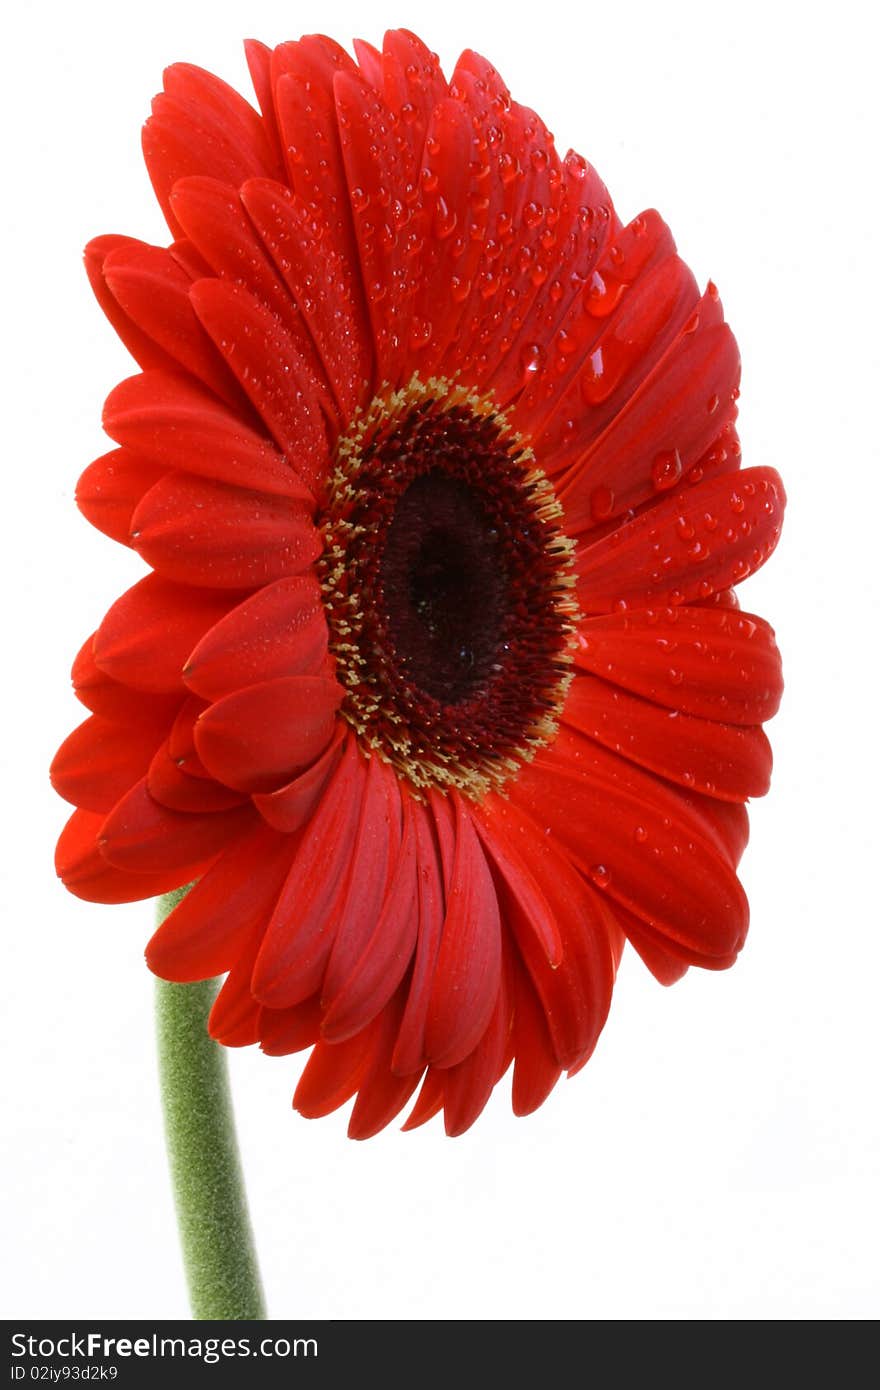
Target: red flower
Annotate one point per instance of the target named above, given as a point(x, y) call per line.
point(438, 686)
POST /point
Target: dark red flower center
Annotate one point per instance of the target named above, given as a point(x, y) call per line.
point(448, 588)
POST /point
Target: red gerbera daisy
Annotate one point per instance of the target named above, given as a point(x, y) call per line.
point(438, 688)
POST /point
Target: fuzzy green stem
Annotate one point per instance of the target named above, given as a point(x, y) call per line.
point(212, 1214)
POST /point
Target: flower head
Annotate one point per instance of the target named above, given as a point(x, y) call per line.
point(438, 688)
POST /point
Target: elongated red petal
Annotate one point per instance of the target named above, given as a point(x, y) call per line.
point(698, 541)
point(468, 1086)
point(85, 872)
point(152, 288)
point(575, 993)
point(110, 489)
point(260, 736)
point(536, 1068)
point(209, 928)
point(202, 126)
point(381, 1094)
point(292, 805)
point(200, 532)
point(141, 836)
point(371, 884)
point(467, 975)
point(428, 827)
point(100, 761)
point(373, 976)
point(173, 786)
point(299, 938)
point(715, 663)
point(332, 303)
point(120, 703)
point(279, 631)
point(177, 424)
point(281, 382)
point(723, 760)
point(149, 632)
point(639, 844)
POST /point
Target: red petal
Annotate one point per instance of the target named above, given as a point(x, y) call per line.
point(536, 1069)
point(206, 533)
point(111, 488)
point(655, 436)
point(429, 1100)
point(640, 842)
point(100, 761)
point(144, 837)
point(202, 126)
point(386, 954)
point(371, 881)
point(412, 84)
point(381, 1094)
point(235, 1018)
point(723, 760)
point(587, 222)
point(299, 937)
point(209, 928)
point(150, 631)
point(576, 994)
point(409, 1053)
point(177, 424)
point(716, 663)
point(467, 975)
point(85, 872)
point(666, 967)
point(292, 805)
point(455, 216)
point(521, 177)
point(170, 785)
point(259, 61)
point(333, 1074)
point(331, 302)
point(468, 1086)
point(260, 736)
point(303, 75)
point(690, 545)
point(280, 631)
point(380, 169)
point(153, 290)
point(212, 216)
point(281, 382)
point(143, 349)
point(533, 913)
point(283, 1031)
point(118, 702)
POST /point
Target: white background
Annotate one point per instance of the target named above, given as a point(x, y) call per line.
point(718, 1157)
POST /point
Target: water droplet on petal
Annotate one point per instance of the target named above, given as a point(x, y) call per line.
point(666, 469)
point(601, 503)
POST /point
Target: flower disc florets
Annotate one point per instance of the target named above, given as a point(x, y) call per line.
point(448, 584)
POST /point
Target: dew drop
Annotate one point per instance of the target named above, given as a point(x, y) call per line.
point(420, 333)
point(666, 470)
point(601, 503)
point(531, 360)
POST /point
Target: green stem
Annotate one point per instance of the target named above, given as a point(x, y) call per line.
point(212, 1214)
